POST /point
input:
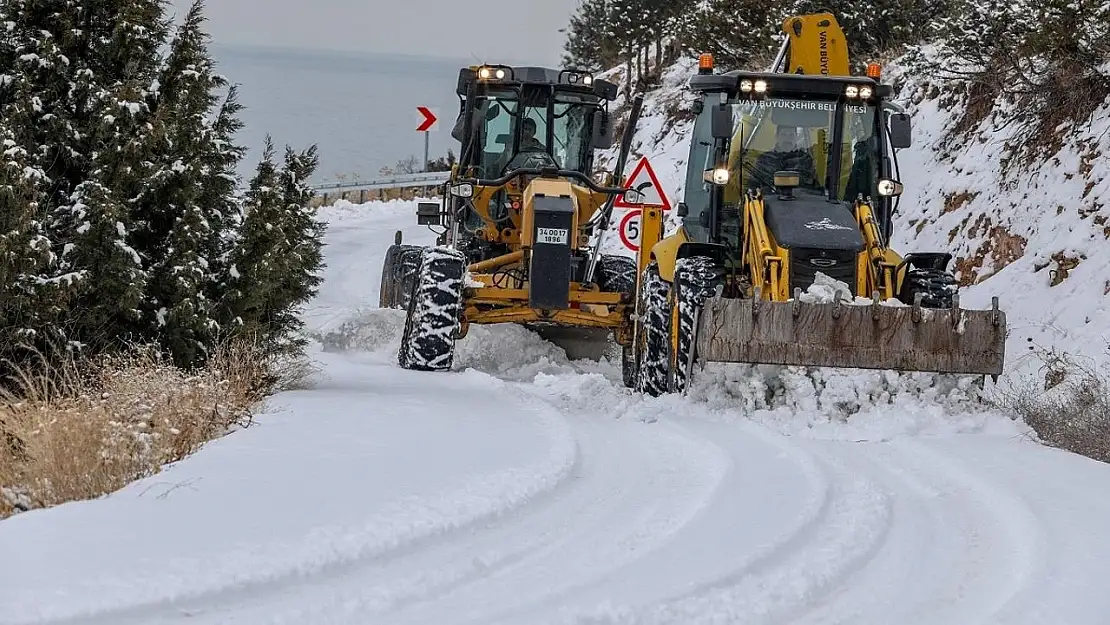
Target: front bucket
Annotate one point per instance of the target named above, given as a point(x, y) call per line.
point(868, 336)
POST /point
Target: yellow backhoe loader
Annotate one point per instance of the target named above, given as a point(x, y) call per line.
point(792, 180)
point(517, 217)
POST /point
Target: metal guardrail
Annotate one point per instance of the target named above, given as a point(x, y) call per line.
point(424, 179)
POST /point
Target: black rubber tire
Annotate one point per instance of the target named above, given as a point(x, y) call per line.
point(407, 265)
point(695, 280)
point(391, 293)
point(388, 284)
point(938, 287)
point(654, 333)
point(616, 274)
point(434, 311)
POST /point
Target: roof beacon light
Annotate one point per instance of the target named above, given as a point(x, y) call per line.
point(705, 63)
point(874, 71)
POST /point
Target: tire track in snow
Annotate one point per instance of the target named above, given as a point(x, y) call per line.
point(403, 527)
point(959, 546)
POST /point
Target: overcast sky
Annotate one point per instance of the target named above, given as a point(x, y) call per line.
point(517, 31)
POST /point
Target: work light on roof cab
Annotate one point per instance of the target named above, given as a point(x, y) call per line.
point(758, 86)
point(495, 72)
point(574, 77)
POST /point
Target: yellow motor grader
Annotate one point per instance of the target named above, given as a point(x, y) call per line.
point(517, 217)
point(792, 181)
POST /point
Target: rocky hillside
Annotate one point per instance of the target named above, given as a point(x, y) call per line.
point(1025, 216)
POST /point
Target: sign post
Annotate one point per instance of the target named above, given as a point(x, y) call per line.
point(428, 119)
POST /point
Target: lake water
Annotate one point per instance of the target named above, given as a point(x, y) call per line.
point(360, 109)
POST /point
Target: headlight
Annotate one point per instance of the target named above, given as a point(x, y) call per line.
point(888, 188)
point(587, 80)
point(462, 190)
point(746, 86)
point(500, 74)
point(761, 86)
point(851, 91)
point(484, 73)
point(865, 92)
point(718, 176)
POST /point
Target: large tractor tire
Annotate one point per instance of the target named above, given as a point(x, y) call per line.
point(654, 333)
point(927, 274)
point(695, 281)
point(399, 261)
point(434, 311)
point(408, 264)
point(616, 273)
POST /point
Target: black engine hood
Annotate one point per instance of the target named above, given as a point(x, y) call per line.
point(812, 222)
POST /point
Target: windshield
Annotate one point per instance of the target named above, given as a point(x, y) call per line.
point(783, 134)
point(548, 133)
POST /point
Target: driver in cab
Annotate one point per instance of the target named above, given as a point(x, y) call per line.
point(528, 140)
point(786, 155)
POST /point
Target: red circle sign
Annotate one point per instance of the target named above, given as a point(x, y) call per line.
point(630, 230)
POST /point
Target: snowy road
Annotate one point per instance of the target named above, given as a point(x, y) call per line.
point(523, 488)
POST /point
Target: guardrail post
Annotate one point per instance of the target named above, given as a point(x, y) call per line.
point(362, 196)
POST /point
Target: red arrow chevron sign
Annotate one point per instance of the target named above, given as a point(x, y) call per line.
point(429, 119)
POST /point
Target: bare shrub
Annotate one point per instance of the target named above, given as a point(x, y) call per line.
point(1068, 408)
point(74, 432)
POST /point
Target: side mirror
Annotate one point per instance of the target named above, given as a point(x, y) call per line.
point(683, 209)
point(901, 135)
point(602, 131)
point(721, 121)
point(605, 89)
point(427, 214)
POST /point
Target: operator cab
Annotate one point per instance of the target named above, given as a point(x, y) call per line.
point(530, 116)
point(811, 146)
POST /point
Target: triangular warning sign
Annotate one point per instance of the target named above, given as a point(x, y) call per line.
point(644, 180)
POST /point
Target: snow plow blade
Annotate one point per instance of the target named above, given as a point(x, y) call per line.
point(868, 336)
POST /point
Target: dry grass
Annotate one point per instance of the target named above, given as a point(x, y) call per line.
point(79, 433)
point(1069, 408)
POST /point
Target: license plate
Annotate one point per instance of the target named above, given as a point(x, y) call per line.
point(553, 236)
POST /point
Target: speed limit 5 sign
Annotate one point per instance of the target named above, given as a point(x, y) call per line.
point(630, 230)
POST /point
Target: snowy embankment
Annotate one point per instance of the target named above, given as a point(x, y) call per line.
point(524, 488)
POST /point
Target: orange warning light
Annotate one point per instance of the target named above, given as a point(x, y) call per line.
point(874, 70)
point(705, 63)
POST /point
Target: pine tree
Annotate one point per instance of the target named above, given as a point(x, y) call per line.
point(279, 252)
point(304, 236)
point(590, 43)
point(256, 265)
point(189, 206)
point(33, 296)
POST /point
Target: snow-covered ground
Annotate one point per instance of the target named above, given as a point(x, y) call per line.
point(524, 488)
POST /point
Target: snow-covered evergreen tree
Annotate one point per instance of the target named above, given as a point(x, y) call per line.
point(590, 44)
point(189, 205)
point(304, 234)
point(279, 251)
